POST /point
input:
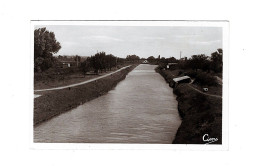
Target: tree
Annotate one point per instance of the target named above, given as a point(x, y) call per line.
point(77, 59)
point(119, 61)
point(132, 58)
point(110, 61)
point(45, 45)
point(98, 61)
point(85, 66)
point(171, 60)
point(162, 60)
point(217, 62)
point(150, 59)
point(198, 61)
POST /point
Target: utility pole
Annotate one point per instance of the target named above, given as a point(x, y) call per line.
point(77, 60)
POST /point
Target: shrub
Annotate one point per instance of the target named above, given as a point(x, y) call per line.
point(180, 72)
point(205, 79)
point(192, 74)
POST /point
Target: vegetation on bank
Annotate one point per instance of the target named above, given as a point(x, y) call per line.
point(53, 103)
point(201, 114)
point(53, 71)
point(206, 71)
point(55, 77)
point(46, 45)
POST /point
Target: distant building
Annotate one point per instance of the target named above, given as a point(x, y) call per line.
point(145, 62)
point(66, 64)
point(171, 65)
point(66, 61)
point(176, 81)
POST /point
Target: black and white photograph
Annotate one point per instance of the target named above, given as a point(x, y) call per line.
point(128, 82)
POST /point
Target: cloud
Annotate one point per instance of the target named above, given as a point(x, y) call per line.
point(205, 42)
point(69, 43)
point(143, 41)
point(102, 38)
point(153, 38)
point(186, 36)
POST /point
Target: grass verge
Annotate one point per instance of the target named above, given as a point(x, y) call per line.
point(55, 77)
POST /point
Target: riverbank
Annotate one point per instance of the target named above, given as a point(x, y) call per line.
point(56, 77)
point(201, 114)
point(53, 103)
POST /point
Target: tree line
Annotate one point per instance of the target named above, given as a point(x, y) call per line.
point(45, 45)
point(132, 58)
point(203, 62)
point(99, 62)
point(195, 62)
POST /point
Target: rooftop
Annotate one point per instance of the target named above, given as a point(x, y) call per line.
point(181, 78)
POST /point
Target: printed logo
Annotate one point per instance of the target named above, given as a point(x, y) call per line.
point(206, 138)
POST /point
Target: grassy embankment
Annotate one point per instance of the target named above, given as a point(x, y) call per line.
point(53, 103)
point(201, 114)
point(55, 77)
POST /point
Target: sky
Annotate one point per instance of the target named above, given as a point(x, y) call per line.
point(143, 41)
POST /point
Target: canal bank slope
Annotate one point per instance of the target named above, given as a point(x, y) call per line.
point(201, 115)
point(53, 103)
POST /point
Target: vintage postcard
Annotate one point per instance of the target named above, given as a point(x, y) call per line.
point(130, 84)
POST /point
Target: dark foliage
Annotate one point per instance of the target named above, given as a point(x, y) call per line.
point(203, 62)
point(205, 79)
point(100, 62)
point(45, 45)
point(132, 58)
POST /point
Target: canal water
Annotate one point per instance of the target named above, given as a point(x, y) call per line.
point(141, 109)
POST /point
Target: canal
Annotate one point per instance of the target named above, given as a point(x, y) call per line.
point(140, 109)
